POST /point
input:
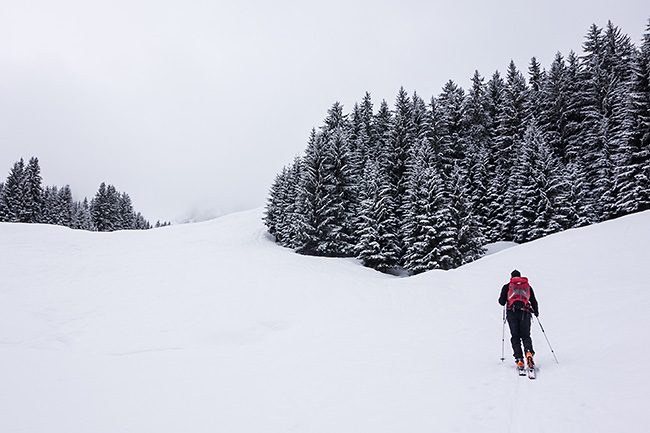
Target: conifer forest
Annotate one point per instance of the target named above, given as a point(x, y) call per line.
point(425, 184)
point(24, 199)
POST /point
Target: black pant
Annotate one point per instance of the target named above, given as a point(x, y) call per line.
point(519, 322)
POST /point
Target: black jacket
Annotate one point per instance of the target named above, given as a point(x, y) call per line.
point(518, 305)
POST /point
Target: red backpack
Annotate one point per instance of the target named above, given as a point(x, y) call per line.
point(519, 290)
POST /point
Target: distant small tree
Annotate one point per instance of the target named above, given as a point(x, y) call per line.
point(140, 223)
point(50, 213)
point(103, 209)
point(11, 202)
point(81, 218)
point(64, 207)
point(126, 218)
point(32, 193)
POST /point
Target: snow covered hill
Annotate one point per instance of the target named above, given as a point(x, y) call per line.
point(211, 327)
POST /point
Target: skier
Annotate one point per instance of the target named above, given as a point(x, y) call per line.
point(520, 299)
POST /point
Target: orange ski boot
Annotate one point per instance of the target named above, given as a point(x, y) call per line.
point(529, 359)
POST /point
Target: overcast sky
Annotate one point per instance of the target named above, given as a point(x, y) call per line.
point(193, 107)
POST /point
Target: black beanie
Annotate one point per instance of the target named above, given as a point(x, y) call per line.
point(515, 273)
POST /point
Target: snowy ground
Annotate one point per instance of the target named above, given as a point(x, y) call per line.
point(211, 327)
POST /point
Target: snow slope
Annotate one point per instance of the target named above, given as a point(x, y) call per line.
point(211, 327)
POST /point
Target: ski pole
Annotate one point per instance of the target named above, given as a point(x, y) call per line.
point(503, 335)
point(549, 343)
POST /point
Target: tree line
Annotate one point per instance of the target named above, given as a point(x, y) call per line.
point(426, 185)
point(24, 199)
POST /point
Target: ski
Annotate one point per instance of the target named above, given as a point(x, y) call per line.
point(532, 374)
point(521, 369)
point(530, 367)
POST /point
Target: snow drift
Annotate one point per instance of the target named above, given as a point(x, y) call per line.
point(211, 327)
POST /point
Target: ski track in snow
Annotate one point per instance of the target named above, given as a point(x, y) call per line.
point(212, 327)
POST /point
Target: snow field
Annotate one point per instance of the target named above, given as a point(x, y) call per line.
point(212, 327)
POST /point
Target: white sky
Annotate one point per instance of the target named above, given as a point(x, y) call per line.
point(194, 106)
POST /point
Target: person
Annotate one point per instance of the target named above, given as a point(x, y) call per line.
point(519, 299)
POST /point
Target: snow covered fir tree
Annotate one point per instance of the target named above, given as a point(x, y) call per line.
point(425, 185)
point(24, 199)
